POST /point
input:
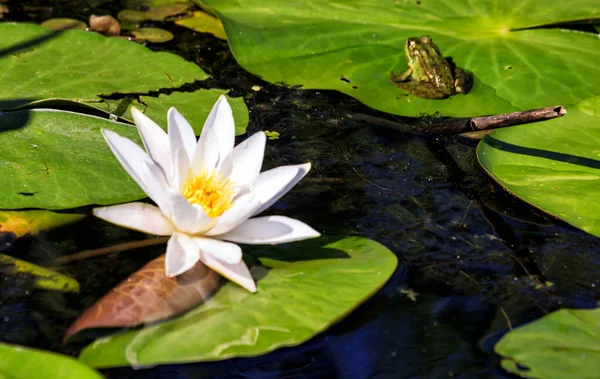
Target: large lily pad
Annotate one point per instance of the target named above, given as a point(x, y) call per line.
point(562, 345)
point(22, 363)
point(56, 160)
point(86, 65)
point(553, 165)
point(302, 289)
point(351, 46)
point(92, 65)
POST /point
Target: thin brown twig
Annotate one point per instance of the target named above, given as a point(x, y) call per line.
point(85, 254)
point(454, 126)
point(506, 317)
point(464, 125)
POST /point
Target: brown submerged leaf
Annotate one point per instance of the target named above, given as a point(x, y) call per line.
point(147, 296)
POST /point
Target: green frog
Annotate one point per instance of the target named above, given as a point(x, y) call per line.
point(429, 74)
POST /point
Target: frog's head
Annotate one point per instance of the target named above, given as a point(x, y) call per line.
point(414, 44)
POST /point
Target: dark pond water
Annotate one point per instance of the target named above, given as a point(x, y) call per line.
point(470, 255)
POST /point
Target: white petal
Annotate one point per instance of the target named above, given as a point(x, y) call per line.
point(220, 119)
point(226, 252)
point(188, 218)
point(136, 162)
point(206, 155)
point(156, 186)
point(271, 185)
point(270, 230)
point(237, 273)
point(241, 210)
point(182, 255)
point(181, 134)
point(154, 138)
point(246, 160)
point(179, 173)
point(142, 217)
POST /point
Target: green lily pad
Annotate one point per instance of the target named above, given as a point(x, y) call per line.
point(90, 65)
point(194, 106)
point(64, 24)
point(44, 278)
point(151, 3)
point(204, 23)
point(154, 35)
point(155, 13)
point(352, 46)
point(562, 345)
point(31, 222)
point(19, 362)
point(98, 66)
point(553, 165)
point(132, 16)
point(58, 160)
point(303, 288)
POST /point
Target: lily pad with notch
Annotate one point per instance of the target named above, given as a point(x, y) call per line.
point(553, 165)
point(98, 68)
point(303, 288)
point(563, 344)
point(352, 47)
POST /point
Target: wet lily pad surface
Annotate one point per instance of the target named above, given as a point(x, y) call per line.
point(566, 346)
point(18, 362)
point(353, 46)
point(553, 165)
point(473, 261)
point(290, 306)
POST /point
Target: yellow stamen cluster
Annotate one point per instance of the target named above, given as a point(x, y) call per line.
point(211, 191)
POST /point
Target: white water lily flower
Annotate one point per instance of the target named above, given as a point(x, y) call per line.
point(205, 192)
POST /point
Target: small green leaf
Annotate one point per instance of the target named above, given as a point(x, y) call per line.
point(553, 165)
point(44, 278)
point(24, 363)
point(155, 35)
point(64, 24)
point(562, 345)
point(272, 135)
point(303, 288)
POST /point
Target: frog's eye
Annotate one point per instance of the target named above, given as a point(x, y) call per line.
point(426, 39)
point(411, 43)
